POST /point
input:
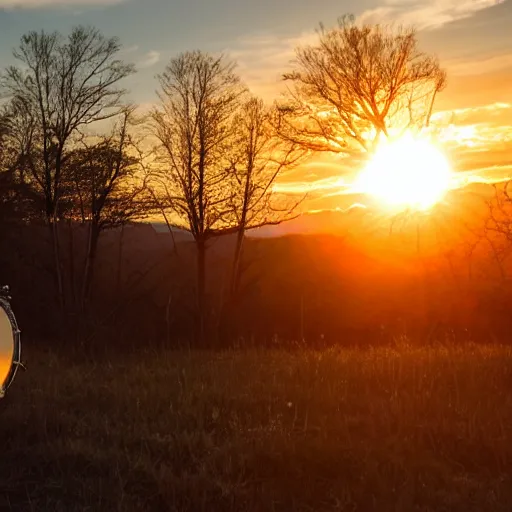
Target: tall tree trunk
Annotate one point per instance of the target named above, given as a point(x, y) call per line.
point(168, 321)
point(201, 274)
point(71, 250)
point(120, 261)
point(237, 258)
point(54, 236)
point(235, 277)
point(225, 325)
point(94, 235)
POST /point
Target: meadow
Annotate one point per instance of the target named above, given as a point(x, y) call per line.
point(388, 429)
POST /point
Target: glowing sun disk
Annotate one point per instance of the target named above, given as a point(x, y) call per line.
point(406, 173)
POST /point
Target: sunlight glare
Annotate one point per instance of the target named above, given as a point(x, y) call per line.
point(408, 173)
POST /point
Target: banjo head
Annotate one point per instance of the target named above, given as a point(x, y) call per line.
point(10, 349)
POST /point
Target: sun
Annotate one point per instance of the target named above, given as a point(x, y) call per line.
point(407, 173)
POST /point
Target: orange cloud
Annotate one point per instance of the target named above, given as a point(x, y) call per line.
point(482, 66)
point(476, 113)
point(478, 141)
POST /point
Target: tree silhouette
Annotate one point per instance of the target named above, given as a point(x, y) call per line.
point(199, 97)
point(260, 156)
point(19, 200)
point(357, 84)
point(104, 188)
point(62, 85)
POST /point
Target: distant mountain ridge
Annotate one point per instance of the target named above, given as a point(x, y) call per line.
point(358, 217)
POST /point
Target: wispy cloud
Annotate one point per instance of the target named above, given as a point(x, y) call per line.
point(482, 66)
point(150, 59)
point(263, 58)
point(499, 113)
point(487, 175)
point(426, 14)
point(311, 187)
point(40, 4)
point(482, 129)
point(130, 49)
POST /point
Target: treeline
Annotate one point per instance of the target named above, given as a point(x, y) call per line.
point(75, 154)
point(79, 165)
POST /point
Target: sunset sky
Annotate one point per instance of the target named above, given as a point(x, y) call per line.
point(472, 38)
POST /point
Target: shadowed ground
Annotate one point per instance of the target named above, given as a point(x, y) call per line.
point(406, 429)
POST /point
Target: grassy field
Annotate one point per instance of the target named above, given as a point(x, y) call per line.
point(379, 430)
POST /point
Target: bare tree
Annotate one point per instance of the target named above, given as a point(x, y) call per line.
point(357, 84)
point(7, 174)
point(499, 219)
point(4, 132)
point(19, 199)
point(497, 228)
point(199, 96)
point(105, 188)
point(61, 86)
point(260, 157)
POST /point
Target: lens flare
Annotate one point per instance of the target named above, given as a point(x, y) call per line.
point(407, 173)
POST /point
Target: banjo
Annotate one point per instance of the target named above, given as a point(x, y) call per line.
point(10, 342)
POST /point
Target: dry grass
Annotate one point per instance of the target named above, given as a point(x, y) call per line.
point(385, 430)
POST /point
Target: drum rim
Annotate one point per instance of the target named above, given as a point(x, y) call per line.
point(16, 356)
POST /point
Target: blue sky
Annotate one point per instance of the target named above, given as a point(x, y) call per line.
point(154, 30)
point(472, 38)
point(260, 34)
